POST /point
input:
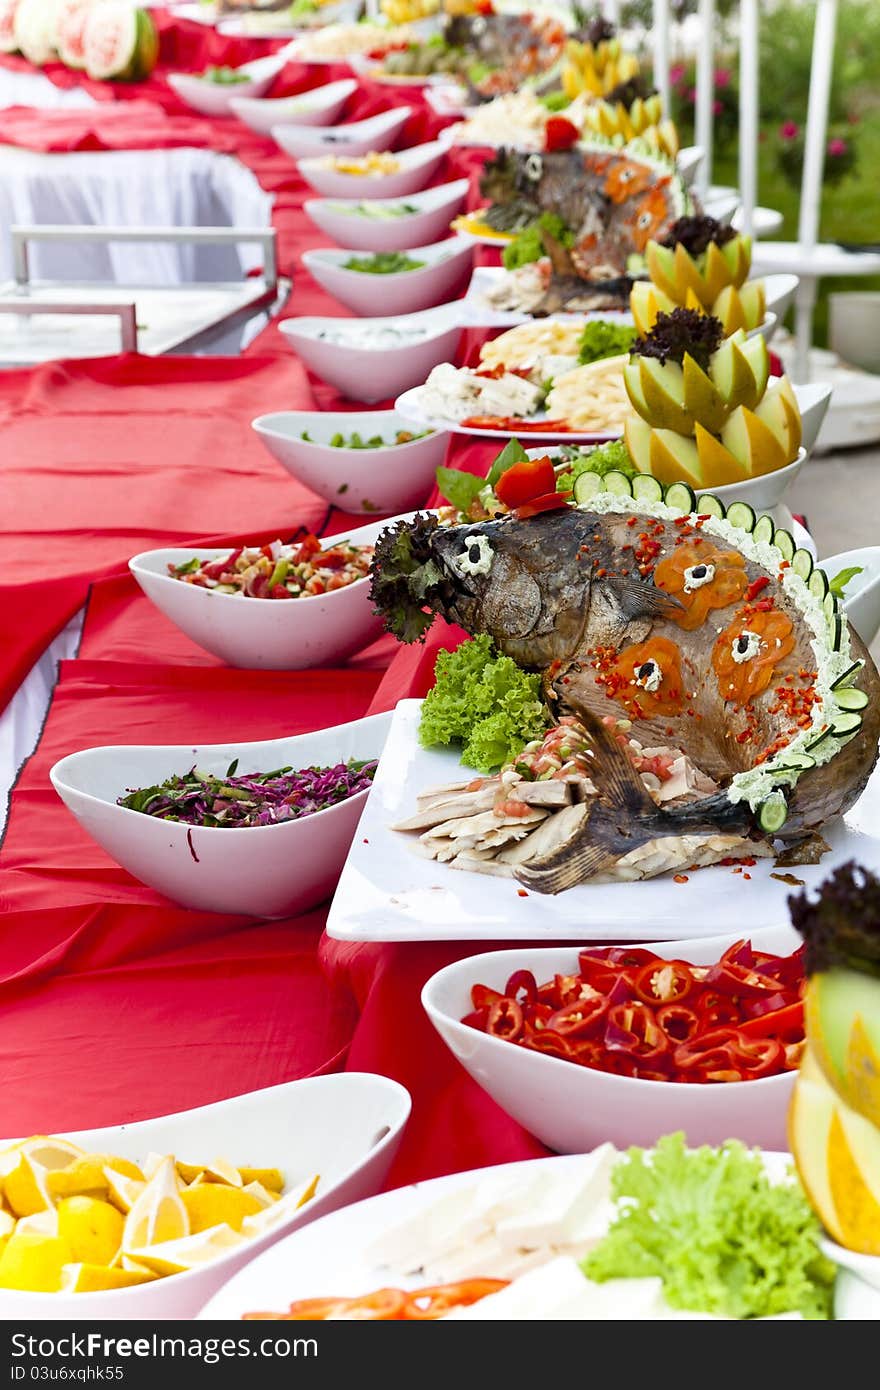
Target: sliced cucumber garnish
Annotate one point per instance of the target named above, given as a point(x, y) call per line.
point(646, 488)
point(794, 762)
point(764, 530)
point(819, 584)
point(846, 724)
point(851, 698)
point(618, 484)
point(819, 741)
point(847, 676)
point(773, 813)
point(709, 505)
point(785, 542)
point(586, 487)
point(680, 498)
point(829, 608)
point(836, 633)
point(742, 515)
point(802, 564)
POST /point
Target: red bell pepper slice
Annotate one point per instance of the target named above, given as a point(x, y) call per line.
point(505, 1019)
point(549, 502)
point(523, 481)
point(663, 982)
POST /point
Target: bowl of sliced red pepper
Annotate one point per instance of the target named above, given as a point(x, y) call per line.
point(627, 1042)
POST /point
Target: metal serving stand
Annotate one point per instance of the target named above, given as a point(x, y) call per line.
point(42, 319)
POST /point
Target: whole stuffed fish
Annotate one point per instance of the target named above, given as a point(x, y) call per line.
point(699, 633)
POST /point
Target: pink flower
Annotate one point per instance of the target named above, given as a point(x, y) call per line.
point(722, 77)
point(676, 73)
point(717, 107)
point(837, 147)
point(789, 130)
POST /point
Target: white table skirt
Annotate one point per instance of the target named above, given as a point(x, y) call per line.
point(33, 89)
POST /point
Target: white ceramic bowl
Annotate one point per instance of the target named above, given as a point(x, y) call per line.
point(347, 1127)
point(263, 634)
point(779, 291)
point(417, 165)
point(356, 138)
point(257, 871)
point(434, 210)
point(572, 1108)
point(215, 98)
point(445, 266)
point(813, 400)
point(861, 600)
point(865, 1267)
point(765, 491)
point(318, 107)
point(391, 479)
point(688, 162)
point(366, 372)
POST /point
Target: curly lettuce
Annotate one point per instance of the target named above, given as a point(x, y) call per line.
point(483, 701)
point(723, 1238)
point(605, 458)
point(528, 246)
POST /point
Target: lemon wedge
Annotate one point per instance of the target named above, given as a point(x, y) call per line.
point(215, 1204)
point(122, 1191)
point(272, 1178)
point(7, 1224)
point(175, 1256)
point(50, 1153)
point(33, 1262)
point(158, 1214)
point(264, 1196)
point(282, 1210)
point(87, 1278)
point(25, 1187)
point(91, 1228)
point(42, 1223)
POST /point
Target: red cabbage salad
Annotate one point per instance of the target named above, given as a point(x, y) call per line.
point(299, 570)
point(256, 798)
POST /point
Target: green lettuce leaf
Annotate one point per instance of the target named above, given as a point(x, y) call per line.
point(459, 488)
point(719, 1234)
point(513, 452)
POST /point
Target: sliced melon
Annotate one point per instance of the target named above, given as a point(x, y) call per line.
point(674, 459)
point(662, 387)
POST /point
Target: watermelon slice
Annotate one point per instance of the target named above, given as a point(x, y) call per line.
point(119, 42)
point(70, 27)
point(8, 41)
point(34, 28)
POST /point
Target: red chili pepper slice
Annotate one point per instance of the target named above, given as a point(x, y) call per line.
point(716, 1010)
point(477, 1019)
point(678, 1022)
point(431, 1303)
point(729, 978)
point(522, 980)
point(553, 1044)
point(580, 1017)
point(482, 997)
point(663, 982)
point(560, 134)
point(786, 1023)
point(505, 1019)
point(511, 424)
point(550, 502)
point(755, 587)
point(525, 480)
point(633, 1028)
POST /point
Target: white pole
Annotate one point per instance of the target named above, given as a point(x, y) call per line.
point(705, 114)
point(661, 51)
point(748, 111)
point(817, 123)
point(611, 11)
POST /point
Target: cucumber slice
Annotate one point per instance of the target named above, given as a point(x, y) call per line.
point(829, 608)
point(847, 676)
point(742, 515)
point(846, 724)
point(586, 487)
point(680, 498)
point(851, 698)
point(646, 488)
point(819, 741)
point(785, 542)
point(794, 762)
point(709, 505)
point(819, 584)
point(618, 484)
point(773, 812)
point(802, 564)
point(764, 530)
point(836, 633)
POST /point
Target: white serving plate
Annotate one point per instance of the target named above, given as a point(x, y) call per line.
point(447, 98)
point(347, 1127)
point(333, 1256)
point(392, 479)
point(572, 1108)
point(263, 634)
point(779, 290)
point(257, 871)
point(445, 266)
point(215, 98)
point(355, 138)
point(277, 25)
point(812, 399)
point(366, 373)
point(435, 208)
point(318, 107)
point(862, 594)
point(388, 893)
point(418, 165)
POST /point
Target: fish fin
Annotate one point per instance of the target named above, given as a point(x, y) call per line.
point(636, 599)
point(560, 257)
point(620, 786)
point(579, 859)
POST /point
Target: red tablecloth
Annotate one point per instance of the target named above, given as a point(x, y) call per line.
point(116, 1004)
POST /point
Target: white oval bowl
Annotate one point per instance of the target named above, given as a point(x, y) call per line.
point(779, 291)
point(318, 107)
point(435, 209)
point(362, 481)
point(572, 1108)
point(418, 164)
point(257, 871)
point(861, 599)
point(688, 161)
point(215, 98)
point(263, 634)
point(765, 491)
point(446, 264)
point(346, 1126)
point(813, 400)
point(366, 373)
point(356, 138)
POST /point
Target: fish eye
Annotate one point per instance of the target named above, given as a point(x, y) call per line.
point(644, 219)
point(534, 166)
point(475, 558)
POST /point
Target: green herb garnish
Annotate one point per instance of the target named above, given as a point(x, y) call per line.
point(226, 77)
point(842, 578)
point(383, 263)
